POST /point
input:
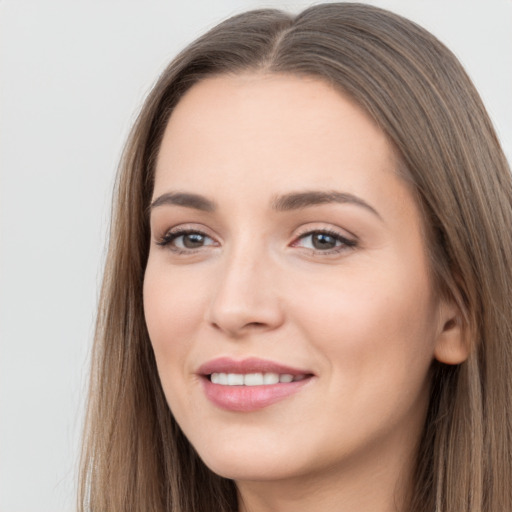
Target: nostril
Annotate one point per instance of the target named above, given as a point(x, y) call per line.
point(242, 328)
point(255, 324)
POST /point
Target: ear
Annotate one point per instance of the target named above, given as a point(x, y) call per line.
point(451, 345)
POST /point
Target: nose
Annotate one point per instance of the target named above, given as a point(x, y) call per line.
point(246, 298)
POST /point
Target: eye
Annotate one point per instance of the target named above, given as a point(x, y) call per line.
point(324, 241)
point(181, 240)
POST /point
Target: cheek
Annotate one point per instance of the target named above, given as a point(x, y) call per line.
point(377, 322)
point(376, 339)
point(173, 310)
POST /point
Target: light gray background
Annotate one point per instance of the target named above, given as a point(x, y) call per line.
point(73, 75)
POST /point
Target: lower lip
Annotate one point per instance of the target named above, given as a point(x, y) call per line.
point(250, 398)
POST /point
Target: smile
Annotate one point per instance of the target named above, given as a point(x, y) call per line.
point(250, 384)
point(253, 379)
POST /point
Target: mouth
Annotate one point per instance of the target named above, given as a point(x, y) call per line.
point(253, 379)
point(250, 384)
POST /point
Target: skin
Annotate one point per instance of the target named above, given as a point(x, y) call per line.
point(363, 318)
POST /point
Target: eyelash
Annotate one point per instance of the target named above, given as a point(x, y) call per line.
point(168, 238)
point(345, 243)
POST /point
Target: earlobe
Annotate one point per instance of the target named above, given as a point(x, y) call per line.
point(451, 347)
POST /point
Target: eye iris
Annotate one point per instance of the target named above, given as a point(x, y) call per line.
point(193, 240)
point(323, 241)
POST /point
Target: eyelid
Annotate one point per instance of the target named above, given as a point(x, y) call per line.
point(182, 227)
point(322, 227)
point(344, 240)
point(347, 241)
point(169, 235)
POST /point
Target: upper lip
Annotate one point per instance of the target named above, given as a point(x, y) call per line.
point(248, 365)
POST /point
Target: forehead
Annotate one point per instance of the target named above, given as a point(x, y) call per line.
point(278, 132)
point(262, 105)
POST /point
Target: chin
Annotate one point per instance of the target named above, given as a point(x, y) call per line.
point(249, 464)
point(251, 472)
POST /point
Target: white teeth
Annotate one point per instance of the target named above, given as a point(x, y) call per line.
point(252, 379)
point(235, 379)
point(270, 378)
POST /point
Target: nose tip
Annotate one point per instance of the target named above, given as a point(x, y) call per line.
point(235, 325)
point(245, 301)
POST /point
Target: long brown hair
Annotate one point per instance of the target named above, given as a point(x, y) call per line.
point(135, 458)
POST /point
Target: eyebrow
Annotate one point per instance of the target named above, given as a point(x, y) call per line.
point(286, 202)
point(186, 199)
point(299, 200)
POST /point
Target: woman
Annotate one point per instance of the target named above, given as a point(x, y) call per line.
point(306, 301)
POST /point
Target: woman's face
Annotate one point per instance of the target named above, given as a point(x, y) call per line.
point(285, 248)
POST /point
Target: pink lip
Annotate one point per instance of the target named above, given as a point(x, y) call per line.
point(249, 365)
point(249, 398)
